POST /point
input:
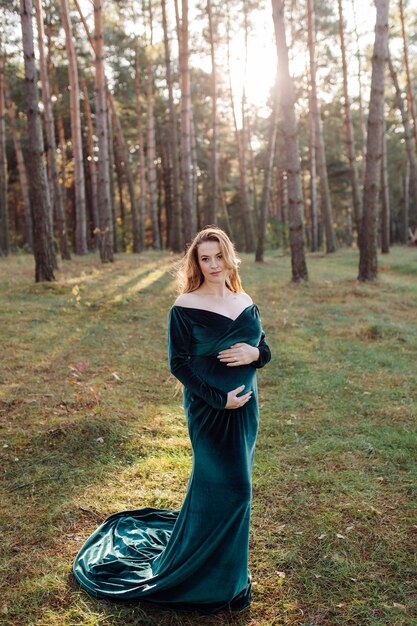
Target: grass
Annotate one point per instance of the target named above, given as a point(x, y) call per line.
point(90, 424)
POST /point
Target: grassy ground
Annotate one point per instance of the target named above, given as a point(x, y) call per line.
point(90, 425)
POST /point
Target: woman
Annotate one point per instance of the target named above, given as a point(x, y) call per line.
point(196, 558)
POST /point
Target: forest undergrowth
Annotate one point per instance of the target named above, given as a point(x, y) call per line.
point(90, 424)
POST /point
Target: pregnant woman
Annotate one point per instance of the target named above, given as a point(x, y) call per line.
point(196, 558)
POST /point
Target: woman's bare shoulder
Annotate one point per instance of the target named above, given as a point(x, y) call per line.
point(185, 299)
point(245, 298)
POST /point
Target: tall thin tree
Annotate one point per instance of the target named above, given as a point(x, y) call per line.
point(21, 168)
point(408, 139)
point(290, 131)
point(325, 200)
point(187, 208)
point(56, 195)
point(4, 212)
point(350, 142)
point(104, 203)
point(174, 171)
point(410, 90)
point(43, 245)
point(368, 260)
point(80, 204)
point(266, 188)
point(138, 221)
point(385, 203)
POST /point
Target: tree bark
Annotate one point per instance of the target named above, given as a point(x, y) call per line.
point(105, 240)
point(368, 261)
point(56, 196)
point(290, 131)
point(350, 142)
point(175, 230)
point(185, 127)
point(4, 212)
point(325, 200)
point(43, 245)
point(80, 204)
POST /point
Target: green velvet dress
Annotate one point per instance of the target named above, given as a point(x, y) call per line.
point(195, 558)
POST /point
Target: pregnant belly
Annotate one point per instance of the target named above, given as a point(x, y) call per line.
point(223, 377)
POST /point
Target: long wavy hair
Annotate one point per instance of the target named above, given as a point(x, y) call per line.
point(188, 273)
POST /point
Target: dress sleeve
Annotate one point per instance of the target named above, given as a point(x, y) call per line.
point(264, 352)
point(179, 339)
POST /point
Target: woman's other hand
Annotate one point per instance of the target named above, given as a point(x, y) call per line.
point(234, 401)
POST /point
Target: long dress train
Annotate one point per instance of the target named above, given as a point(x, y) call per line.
point(195, 558)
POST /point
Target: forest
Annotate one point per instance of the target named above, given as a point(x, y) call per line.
point(127, 126)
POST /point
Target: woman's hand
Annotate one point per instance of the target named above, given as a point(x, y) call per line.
point(239, 354)
point(234, 401)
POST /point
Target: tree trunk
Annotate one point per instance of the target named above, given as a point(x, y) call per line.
point(195, 215)
point(105, 240)
point(385, 204)
point(368, 262)
point(56, 196)
point(138, 219)
point(325, 203)
point(43, 244)
point(312, 149)
point(151, 153)
point(4, 212)
point(214, 169)
point(185, 128)
point(290, 131)
point(263, 213)
point(175, 229)
point(410, 93)
point(411, 156)
point(80, 205)
point(92, 165)
point(350, 142)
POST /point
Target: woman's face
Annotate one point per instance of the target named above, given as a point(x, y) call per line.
point(211, 262)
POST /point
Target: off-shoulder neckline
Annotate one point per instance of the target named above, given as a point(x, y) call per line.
point(232, 319)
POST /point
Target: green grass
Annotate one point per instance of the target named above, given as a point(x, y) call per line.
point(90, 425)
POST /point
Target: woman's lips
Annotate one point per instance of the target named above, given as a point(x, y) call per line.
point(215, 273)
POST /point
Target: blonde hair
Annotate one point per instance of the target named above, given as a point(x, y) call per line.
point(188, 273)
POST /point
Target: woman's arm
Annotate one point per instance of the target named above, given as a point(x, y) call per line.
point(264, 353)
